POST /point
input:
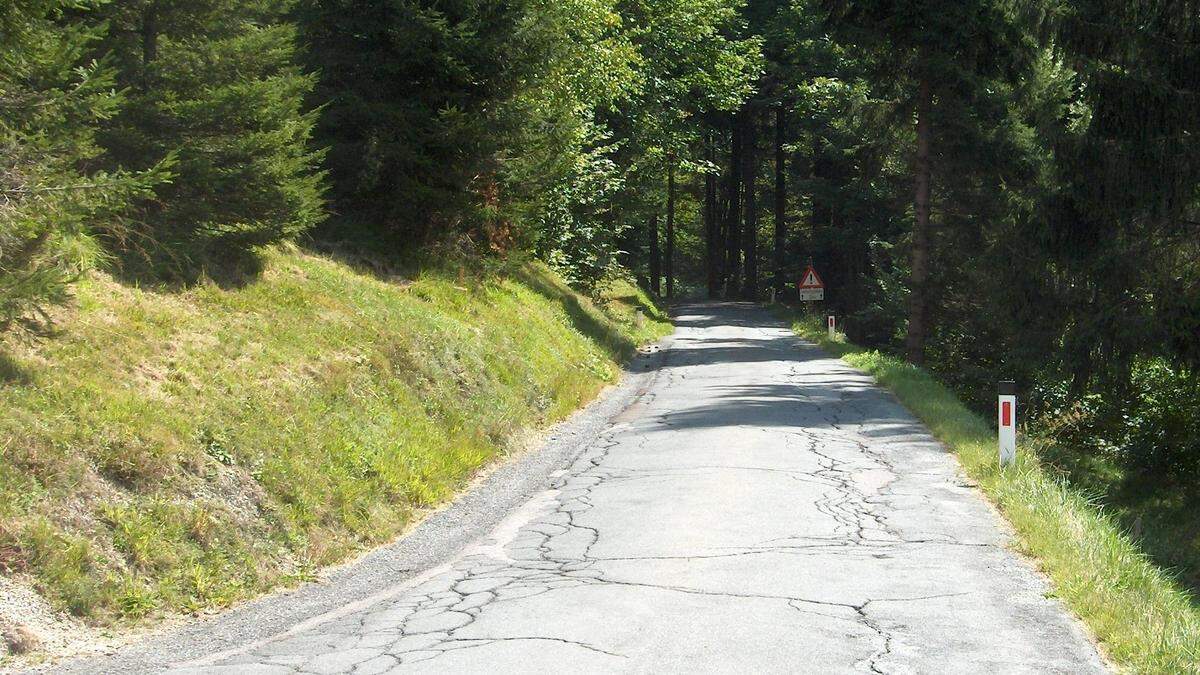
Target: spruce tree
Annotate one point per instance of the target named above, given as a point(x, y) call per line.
point(935, 57)
point(413, 91)
point(213, 86)
point(1127, 214)
point(51, 198)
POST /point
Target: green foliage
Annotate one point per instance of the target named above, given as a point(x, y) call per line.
point(51, 198)
point(463, 118)
point(1152, 429)
point(1065, 194)
point(1120, 226)
point(532, 124)
point(535, 125)
point(411, 90)
point(578, 229)
point(213, 89)
point(696, 63)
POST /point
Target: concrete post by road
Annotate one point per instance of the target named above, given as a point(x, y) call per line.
point(1006, 412)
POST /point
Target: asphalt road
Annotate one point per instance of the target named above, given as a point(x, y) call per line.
point(743, 503)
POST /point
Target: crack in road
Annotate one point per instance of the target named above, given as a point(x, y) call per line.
point(820, 504)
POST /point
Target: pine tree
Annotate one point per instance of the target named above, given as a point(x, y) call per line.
point(935, 56)
point(51, 200)
point(779, 240)
point(411, 89)
point(1125, 220)
point(214, 86)
point(749, 203)
point(713, 243)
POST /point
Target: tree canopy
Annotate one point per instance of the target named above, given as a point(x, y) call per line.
point(996, 189)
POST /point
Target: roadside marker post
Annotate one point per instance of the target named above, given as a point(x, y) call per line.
point(832, 327)
point(1006, 412)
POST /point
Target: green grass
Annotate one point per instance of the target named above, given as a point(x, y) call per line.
point(1161, 514)
point(185, 449)
point(1145, 621)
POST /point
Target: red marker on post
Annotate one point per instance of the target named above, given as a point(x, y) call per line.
point(832, 329)
point(1006, 413)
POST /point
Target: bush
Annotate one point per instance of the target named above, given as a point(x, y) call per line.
point(1151, 428)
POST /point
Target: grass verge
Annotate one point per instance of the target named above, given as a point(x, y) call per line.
point(185, 449)
point(1145, 621)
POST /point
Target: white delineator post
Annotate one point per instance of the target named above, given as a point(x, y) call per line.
point(832, 330)
point(1006, 417)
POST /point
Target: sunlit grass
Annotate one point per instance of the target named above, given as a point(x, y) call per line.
point(180, 450)
point(1145, 622)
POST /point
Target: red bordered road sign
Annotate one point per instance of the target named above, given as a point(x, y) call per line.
point(811, 287)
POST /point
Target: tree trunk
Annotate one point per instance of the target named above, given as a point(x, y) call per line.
point(712, 248)
point(821, 174)
point(915, 339)
point(655, 259)
point(750, 205)
point(723, 226)
point(733, 230)
point(670, 258)
point(149, 43)
point(149, 35)
point(780, 203)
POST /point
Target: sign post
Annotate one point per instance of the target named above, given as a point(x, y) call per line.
point(832, 327)
point(810, 287)
point(1007, 422)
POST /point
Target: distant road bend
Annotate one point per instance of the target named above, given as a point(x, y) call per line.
point(752, 505)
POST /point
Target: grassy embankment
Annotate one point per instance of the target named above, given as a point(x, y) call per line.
point(178, 450)
point(1161, 512)
point(1145, 621)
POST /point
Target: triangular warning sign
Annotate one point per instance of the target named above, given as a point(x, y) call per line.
point(810, 279)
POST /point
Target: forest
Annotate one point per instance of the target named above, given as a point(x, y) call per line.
point(995, 189)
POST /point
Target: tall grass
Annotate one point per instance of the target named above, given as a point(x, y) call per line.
point(183, 449)
point(1144, 621)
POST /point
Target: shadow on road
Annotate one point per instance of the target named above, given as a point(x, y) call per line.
point(811, 401)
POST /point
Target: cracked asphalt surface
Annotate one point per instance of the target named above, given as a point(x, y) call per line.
point(744, 502)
